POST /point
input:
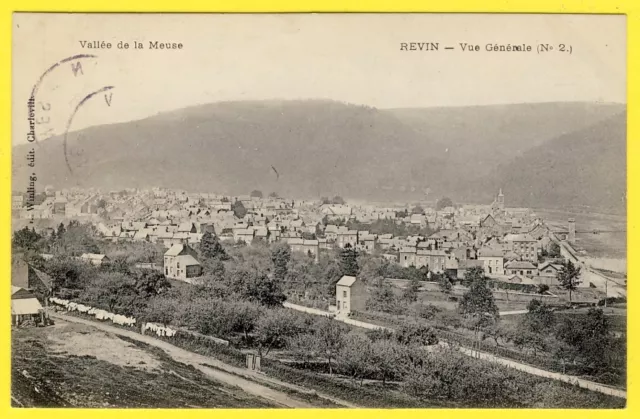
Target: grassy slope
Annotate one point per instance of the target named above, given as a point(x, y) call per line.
point(72, 381)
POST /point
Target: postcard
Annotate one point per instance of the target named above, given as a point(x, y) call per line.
point(319, 211)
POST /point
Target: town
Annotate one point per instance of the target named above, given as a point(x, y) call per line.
point(494, 280)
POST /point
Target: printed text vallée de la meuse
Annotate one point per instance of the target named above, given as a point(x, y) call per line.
point(130, 45)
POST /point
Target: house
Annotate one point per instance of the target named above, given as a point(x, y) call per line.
point(95, 258)
point(336, 211)
point(523, 245)
point(434, 260)
point(142, 235)
point(466, 265)
point(408, 256)
point(351, 295)
point(521, 268)
point(180, 263)
point(243, 234)
point(261, 233)
point(187, 227)
point(548, 269)
point(418, 220)
point(349, 237)
point(25, 306)
point(493, 260)
point(367, 242)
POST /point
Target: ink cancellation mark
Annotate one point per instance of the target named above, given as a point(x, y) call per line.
point(46, 98)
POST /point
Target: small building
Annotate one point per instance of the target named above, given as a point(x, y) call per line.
point(493, 260)
point(95, 258)
point(521, 268)
point(549, 269)
point(350, 295)
point(25, 306)
point(180, 263)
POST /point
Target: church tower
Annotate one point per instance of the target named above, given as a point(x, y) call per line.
point(500, 200)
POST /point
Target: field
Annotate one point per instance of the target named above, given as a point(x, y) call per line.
point(73, 365)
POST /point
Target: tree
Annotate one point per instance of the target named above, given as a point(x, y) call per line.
point(113, 291)
point(539, 318)
point(150, 283)
point(477, 304)
point(68, 273)
point(210, 247)
point(444, 282)
point(325, 200)
point(256, 194)
point(387, 357)
point(280, 257)
point(372, 269)
point(242, 316)
point(329, 338)
point(383, 299)
point(265, 290)
point(337, 200)
point(273, 195)
point(417, 210)
point(26, 239)
point(161, 309)
point(554, 250)
point(569, 277)
point(77, 239)
point(275, 327)
point(410, 294)
point(474, 274)
point(589, 335)
point(444, 203)
point(102, 204)
point(238, 209)
point(542, 289)
point(356, 356)
point(303, 346)
point(414, 333)
point(61, 230)
point(349, 260)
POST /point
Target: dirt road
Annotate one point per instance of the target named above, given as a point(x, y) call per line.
point(222, 372)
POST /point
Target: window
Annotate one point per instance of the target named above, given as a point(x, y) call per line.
point(529, 272)
point(344, 294)
point(166, 271)
point(178, 265)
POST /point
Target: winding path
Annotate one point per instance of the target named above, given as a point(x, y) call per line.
point(239, 377)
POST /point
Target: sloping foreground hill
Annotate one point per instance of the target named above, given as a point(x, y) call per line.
point(316, 147)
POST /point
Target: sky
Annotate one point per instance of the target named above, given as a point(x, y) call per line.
point(354, 58)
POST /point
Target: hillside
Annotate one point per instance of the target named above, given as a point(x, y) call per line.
point(586, 168)
point(478, 138)
point(318, 147)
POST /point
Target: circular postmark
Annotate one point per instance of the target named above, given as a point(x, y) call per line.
point(57, 97)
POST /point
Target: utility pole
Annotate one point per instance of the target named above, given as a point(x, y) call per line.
point(606, 291)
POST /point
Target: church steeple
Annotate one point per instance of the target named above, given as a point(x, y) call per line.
point(500, 200)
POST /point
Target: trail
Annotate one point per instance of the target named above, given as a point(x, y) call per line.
point(600, 388)
point(222, 372)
